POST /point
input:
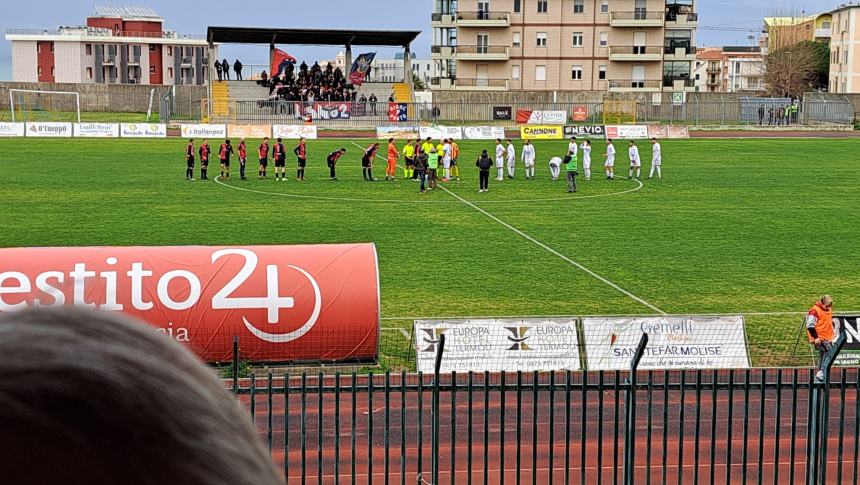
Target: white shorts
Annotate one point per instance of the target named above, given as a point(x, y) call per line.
point(635, 164)
point(530, 163)
point(446, 163)
point(609, 163)
point(586, 164)
point(500, 162)
point(511, 163)
point(657, 163)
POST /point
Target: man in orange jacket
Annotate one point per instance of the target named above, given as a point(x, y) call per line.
point(819, 325)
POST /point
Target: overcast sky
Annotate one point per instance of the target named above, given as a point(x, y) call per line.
point(187, 17)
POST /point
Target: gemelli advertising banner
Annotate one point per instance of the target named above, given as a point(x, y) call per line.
point(674, 342)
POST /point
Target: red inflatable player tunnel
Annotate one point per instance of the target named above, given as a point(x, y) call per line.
point(284, 303)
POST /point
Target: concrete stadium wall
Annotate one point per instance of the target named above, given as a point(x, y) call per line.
point(123, 98)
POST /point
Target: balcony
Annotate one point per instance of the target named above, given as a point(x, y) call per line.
point(638, 18)
point(714, 81)
point(481, 84)
point(483, 19)
point(442, 82)
point(651, 85)
point(678, 84)
point(186, 61)
point(680, 53)
point(133, 60)
point(636, 53)
point(441, 52)
point(482, 53)
point(714, 70)
point(822, 33)
point(438, 20)
point(109, 60)
point(682, 19)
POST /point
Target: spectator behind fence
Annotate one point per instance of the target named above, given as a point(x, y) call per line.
point(237, 66)
point(218, 70)
point(225, 66)
point(88, 397)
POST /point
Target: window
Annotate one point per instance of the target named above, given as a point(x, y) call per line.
point(52, 71)
point(151, 47)
point(540, 73)
point(517, 6)
point(541, 39)
point(737, 67)
point(152, 69)
point(576, 73)
point(515, 72)
point(52, 47)
point(516, 40)
point(542, 6)
point(844, 56)
point(170, 72)
point(577, 39)
point(604, 39)
point(40, 71)
point(169, 50)
point(38, 48)
point(604, 6)
point(601, 73)
point(578, 6)
point(89, 49)
point(89, 73)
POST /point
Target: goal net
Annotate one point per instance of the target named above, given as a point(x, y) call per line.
point(619, 112)
point(28, 105)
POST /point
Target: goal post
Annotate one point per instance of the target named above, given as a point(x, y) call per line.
point(35, 105)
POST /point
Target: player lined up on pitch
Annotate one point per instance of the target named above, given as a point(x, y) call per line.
point(426, 162)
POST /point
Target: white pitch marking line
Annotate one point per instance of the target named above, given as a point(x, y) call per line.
point(547, 248)
point(556, 253)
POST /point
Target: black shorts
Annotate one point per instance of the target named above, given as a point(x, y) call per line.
point(454, 162)
point(226, 163)
point(204, 163)
point(365, 163)
point(303, 162)
point(280, 163)
point(409, 162)
point(264, 162)
point(190, 162)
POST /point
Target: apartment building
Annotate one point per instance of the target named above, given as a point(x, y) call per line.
point(118, 45)
point(779, 32)
point(591, 45)
point(844, 51)
point(729, 69)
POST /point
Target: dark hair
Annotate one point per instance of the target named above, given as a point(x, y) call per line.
point(227, 141)
point(191, 140)
point(483, 152)
point(391, 140)
point(654, 138)
point(343, 150)
point(92, 397)
point(279, 139)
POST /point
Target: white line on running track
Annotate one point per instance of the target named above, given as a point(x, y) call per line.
point(549, 249)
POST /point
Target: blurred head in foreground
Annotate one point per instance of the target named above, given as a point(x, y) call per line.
point(88, 397)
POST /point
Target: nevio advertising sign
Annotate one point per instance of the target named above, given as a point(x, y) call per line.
point(49, 129)
point(674, 342)
point(284, 303)
point(498, 345)
point(850, 355)
point(585, 131)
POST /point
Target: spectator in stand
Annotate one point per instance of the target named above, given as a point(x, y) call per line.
point(218, 70)
point(372, 99)
point(225, 66)
point(95, 397)
point(264, 79)
point(237, 66)
point(391, 98)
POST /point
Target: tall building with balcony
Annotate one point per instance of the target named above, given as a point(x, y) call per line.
point(845, 50)
point(730, 69)
point(567, 45)
point(118, 45)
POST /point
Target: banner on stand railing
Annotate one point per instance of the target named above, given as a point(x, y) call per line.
point(498, 345)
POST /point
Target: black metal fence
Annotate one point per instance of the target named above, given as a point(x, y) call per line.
point(764, 426)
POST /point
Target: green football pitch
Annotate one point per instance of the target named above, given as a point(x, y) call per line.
point(737, 226)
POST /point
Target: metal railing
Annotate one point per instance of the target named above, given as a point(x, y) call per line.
point(637, 15)
point(482, 49)
point(685, 82)
point(482, 15)
point(660, 426)
point(634, 83)
point(635, 49)
point(481, 82)
point(687, 49)
point(692, 112)
point(677, 16)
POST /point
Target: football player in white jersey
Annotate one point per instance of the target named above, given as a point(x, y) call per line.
point(656, 159)
point(635, 161)
point(500, 159)
point(609, 165)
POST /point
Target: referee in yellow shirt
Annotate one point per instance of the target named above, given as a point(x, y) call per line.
point(409, 160)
